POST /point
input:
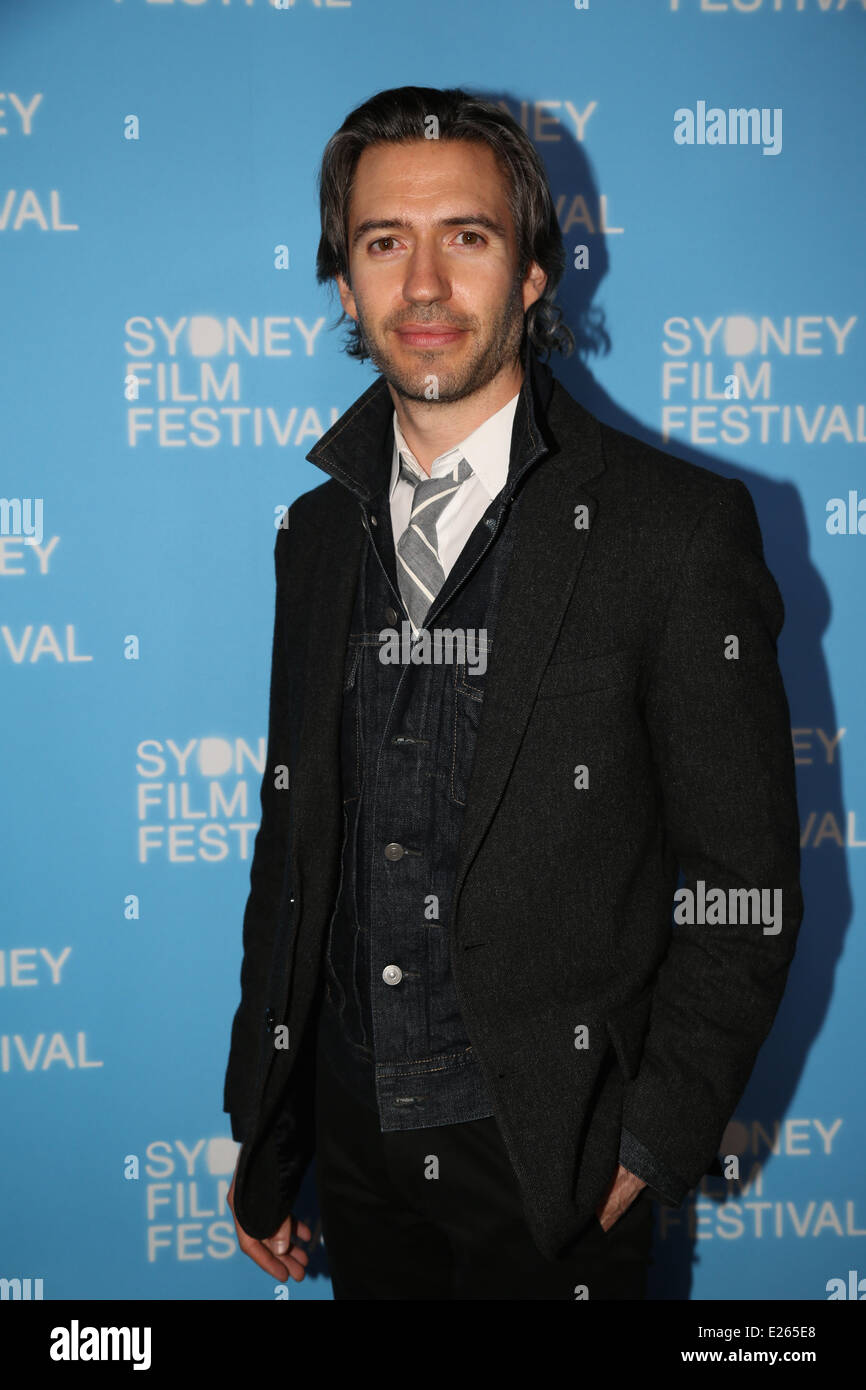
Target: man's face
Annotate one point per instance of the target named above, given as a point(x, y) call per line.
point(432, 247)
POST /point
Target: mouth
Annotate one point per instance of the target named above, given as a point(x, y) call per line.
point(426, 337)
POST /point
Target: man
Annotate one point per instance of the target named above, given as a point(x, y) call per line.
point(462, 990)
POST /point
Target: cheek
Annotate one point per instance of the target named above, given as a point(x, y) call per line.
point(378, 297)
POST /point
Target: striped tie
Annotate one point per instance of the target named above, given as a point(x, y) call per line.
point(419, 572)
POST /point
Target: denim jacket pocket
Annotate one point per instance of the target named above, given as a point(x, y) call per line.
point(468, 697)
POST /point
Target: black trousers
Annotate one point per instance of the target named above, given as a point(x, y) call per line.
point(436, 1213)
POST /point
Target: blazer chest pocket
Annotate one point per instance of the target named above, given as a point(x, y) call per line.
point(627, 1029)
point(581, 675)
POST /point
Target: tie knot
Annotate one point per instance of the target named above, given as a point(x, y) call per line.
point(444, 482)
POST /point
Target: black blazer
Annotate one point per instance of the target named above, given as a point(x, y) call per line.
point(610, 655)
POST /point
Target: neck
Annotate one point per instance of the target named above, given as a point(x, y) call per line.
point(430, 428)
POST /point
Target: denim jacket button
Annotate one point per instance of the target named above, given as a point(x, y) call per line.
point(394, 851)
point(392, 974)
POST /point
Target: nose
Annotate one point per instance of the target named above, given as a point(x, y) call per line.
point(426, 280)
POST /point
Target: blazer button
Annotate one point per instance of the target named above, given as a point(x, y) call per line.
point(390, 616)
point(269, 1020)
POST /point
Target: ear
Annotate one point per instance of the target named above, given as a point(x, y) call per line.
point(347, 299)
point(533, 285)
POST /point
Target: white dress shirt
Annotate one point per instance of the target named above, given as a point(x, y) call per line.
point(487, 451)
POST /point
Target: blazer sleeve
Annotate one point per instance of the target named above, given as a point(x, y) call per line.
point(665, 1185)
point(266, 875)
point(720, 732)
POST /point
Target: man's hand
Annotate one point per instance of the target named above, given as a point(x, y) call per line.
point(293, 1260)
point(619, 1197)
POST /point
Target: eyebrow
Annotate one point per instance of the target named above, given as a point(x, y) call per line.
point(479, 219)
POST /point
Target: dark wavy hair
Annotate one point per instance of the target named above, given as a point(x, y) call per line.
point(399, 115)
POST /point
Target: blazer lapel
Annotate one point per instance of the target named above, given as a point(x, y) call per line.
point(548, 553)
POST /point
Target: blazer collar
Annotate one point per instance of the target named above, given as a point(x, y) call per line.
point(357, 450)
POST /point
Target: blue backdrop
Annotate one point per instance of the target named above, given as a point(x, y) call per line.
point(167, 367)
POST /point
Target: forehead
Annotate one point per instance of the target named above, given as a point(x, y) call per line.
point(426, 177)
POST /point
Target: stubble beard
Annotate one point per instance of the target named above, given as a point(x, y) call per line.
point(500, 349)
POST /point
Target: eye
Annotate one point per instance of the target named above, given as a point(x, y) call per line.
point(379, 240)
point(475, 234)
